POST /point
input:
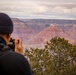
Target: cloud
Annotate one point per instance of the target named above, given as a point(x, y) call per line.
point(39, 8)
point(25, 7)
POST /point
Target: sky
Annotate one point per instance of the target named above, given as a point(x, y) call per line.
point(39, 9)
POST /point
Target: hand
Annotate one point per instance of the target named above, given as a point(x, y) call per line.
point(18, 46)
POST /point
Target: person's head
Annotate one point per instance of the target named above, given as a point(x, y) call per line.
point(6, 27)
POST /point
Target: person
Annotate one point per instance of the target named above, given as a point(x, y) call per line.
point(12, 62)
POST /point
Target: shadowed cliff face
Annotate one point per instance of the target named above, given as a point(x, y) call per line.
point(22, 30)
point(72, 33)
point(35, 33)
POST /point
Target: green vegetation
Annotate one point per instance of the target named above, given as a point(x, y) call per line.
point(57, 58)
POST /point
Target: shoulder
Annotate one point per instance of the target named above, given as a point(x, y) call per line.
point(14, 59)
point(13, 56)
point(17, 62)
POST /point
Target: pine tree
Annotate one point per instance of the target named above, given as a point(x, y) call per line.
point(57, 58)
point(63, 54)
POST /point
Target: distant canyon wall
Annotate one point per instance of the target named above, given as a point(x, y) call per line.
point(35, 32)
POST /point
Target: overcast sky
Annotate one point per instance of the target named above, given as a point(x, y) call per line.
point(39, 9)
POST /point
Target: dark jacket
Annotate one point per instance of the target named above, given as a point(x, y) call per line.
point(12, 63)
